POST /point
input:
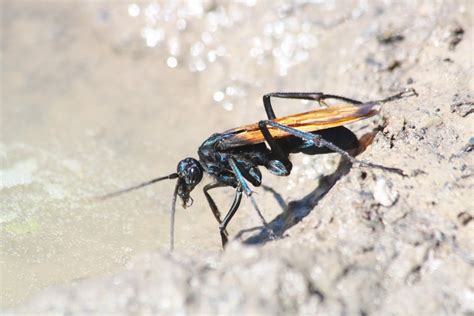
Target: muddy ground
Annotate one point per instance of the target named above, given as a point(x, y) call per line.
point(99, 96)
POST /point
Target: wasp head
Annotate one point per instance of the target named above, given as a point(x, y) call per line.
point(190, 174)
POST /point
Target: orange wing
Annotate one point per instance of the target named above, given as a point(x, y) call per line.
point(307, 122)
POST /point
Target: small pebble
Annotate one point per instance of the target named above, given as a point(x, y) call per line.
point(384, 194)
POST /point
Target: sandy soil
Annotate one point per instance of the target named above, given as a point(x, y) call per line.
point(99, 96)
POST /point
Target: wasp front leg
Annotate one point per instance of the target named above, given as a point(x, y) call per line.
point(233, 209)
point(215, 210)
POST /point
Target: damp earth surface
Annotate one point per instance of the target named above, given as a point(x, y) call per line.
point(99, 96)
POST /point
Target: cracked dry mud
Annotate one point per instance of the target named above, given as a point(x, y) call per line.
point(361, 241)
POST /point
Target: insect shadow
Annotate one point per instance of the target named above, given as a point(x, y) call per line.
point(294, 211)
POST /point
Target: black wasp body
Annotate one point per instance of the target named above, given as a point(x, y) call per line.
point(216, 160)
point(233, 158)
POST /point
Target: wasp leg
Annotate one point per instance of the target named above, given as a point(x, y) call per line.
point(210, 201)
point(409, 92)
point(316, 96)
point(248, 192)
point(233, 209)
point(229, 215)
point(282, 165)
point(321, 142)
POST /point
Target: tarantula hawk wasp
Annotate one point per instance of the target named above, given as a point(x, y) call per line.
point(232, 158)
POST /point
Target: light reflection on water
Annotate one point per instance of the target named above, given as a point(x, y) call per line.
point(197, 34)
point(100, 96)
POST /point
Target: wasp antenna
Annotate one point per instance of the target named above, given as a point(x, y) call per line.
point(173, 211)
point(138, 186)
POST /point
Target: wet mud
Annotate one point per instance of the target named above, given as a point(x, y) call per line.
point(100, 96)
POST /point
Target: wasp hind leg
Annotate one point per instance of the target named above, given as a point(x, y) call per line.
point(321, 142)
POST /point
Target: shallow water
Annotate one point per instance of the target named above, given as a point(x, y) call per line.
point(101, 96)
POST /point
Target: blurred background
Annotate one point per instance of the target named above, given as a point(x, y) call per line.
point(101, 95)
